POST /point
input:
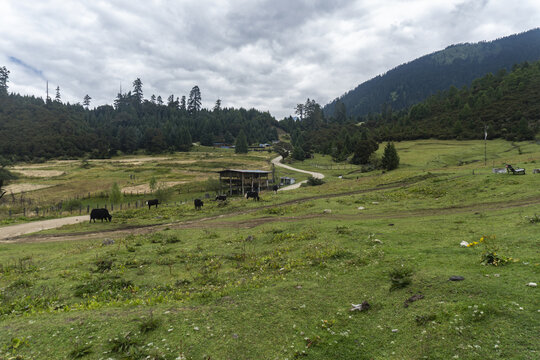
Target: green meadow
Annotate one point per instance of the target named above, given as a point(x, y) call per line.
point(277, 279)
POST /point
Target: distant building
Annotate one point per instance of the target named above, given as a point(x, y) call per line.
point(285, 180)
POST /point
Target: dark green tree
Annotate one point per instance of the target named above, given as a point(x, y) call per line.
point(137, 91)
point(4, 79)
point(298, 153)
point(241, 144)
point(5, 175)
point(183, 103)
point(194, 102)
point(362, 149)
point(217, 107)
point(86, 100)
point(390, 159)
point(57, 97)
point(340, 114)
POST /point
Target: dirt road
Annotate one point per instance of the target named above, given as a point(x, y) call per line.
point(277, 162)
point(11, 231)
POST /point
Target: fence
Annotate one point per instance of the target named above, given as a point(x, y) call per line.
point(335, 167)
point(62, 209)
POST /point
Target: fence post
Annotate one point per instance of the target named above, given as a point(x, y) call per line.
point(24, 212)
point(112, 207)
point(87, 209)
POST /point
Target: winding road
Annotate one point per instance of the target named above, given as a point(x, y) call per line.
point(277, 162)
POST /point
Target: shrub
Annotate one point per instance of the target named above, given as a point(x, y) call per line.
point(390, 159)
point(149, 324)
point(400, 277)
point(115, 196)
point(80, 350)
point(103, 265)
point(312, 181)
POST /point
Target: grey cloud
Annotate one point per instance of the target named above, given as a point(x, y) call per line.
point(251, 53)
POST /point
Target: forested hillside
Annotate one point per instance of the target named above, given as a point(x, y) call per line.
point(32, 128)
point(457, 65)
point(506, 104)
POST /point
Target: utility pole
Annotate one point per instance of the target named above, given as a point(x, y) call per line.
point(485, 144)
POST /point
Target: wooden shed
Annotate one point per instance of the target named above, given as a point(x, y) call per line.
point(240, 181)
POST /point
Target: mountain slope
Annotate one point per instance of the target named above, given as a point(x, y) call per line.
point(506, 103)
point(457, 65)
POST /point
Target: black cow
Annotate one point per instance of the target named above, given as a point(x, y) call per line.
point(198, 204)
point(275, 188)
point(154, 202)
point(100, 214)
point(221, 197)
point(252, 194)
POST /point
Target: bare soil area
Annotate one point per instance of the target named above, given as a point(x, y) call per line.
point(146, 187)
point(39, 173)
point(19, 188)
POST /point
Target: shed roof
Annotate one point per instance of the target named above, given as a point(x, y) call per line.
point(245, 171)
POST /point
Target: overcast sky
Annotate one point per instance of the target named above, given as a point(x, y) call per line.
point(267, 54)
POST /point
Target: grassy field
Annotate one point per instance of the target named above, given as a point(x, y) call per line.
point(277, 279)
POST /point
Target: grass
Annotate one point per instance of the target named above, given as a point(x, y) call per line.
point(276, 279)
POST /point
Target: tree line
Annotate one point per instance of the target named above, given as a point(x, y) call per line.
point(32, 128)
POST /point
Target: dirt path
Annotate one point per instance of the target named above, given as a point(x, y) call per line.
point(12, 231)
point(221, 220)
point(277, 162)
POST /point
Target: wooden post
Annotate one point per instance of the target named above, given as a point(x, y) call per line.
point(242, 177)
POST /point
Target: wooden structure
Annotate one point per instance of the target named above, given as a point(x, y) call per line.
point(241, 181)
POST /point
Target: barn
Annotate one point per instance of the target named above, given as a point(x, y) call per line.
point(240, 181)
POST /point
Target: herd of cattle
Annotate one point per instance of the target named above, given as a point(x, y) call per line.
point(103, 214)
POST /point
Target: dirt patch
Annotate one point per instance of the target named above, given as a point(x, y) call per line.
point(146, 187)
point(19, 188)
point(134, 161)
point(39, 173)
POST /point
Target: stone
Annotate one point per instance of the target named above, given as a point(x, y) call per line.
point(413, 299)
point(456, 278)
point(464, 243)
point(364, 306)
point(361, 208)
point(532, 284)
point(107, 242)
point(327, 211)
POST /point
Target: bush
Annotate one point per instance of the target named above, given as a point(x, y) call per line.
point(116, 196)
point(312, 181)
point(390, 159)
point(400, 277)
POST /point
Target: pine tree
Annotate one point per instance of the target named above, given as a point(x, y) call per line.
point(137, 90)
point(390, 159)
point(183, 103)
point(57, 98)
point(241, 145)
point(298, 153)
point(159, 100)
point(4, 79)
point(194, 102)
point(86, 100)
point(217, 107)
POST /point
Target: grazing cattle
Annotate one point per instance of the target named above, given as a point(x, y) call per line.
point(221, 197)
point(252, 194)
point(198, 204)
point(153, 202)
point(100, 214)
point(275, 188)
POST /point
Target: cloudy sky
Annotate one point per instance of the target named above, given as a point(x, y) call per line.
point(267, 54)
